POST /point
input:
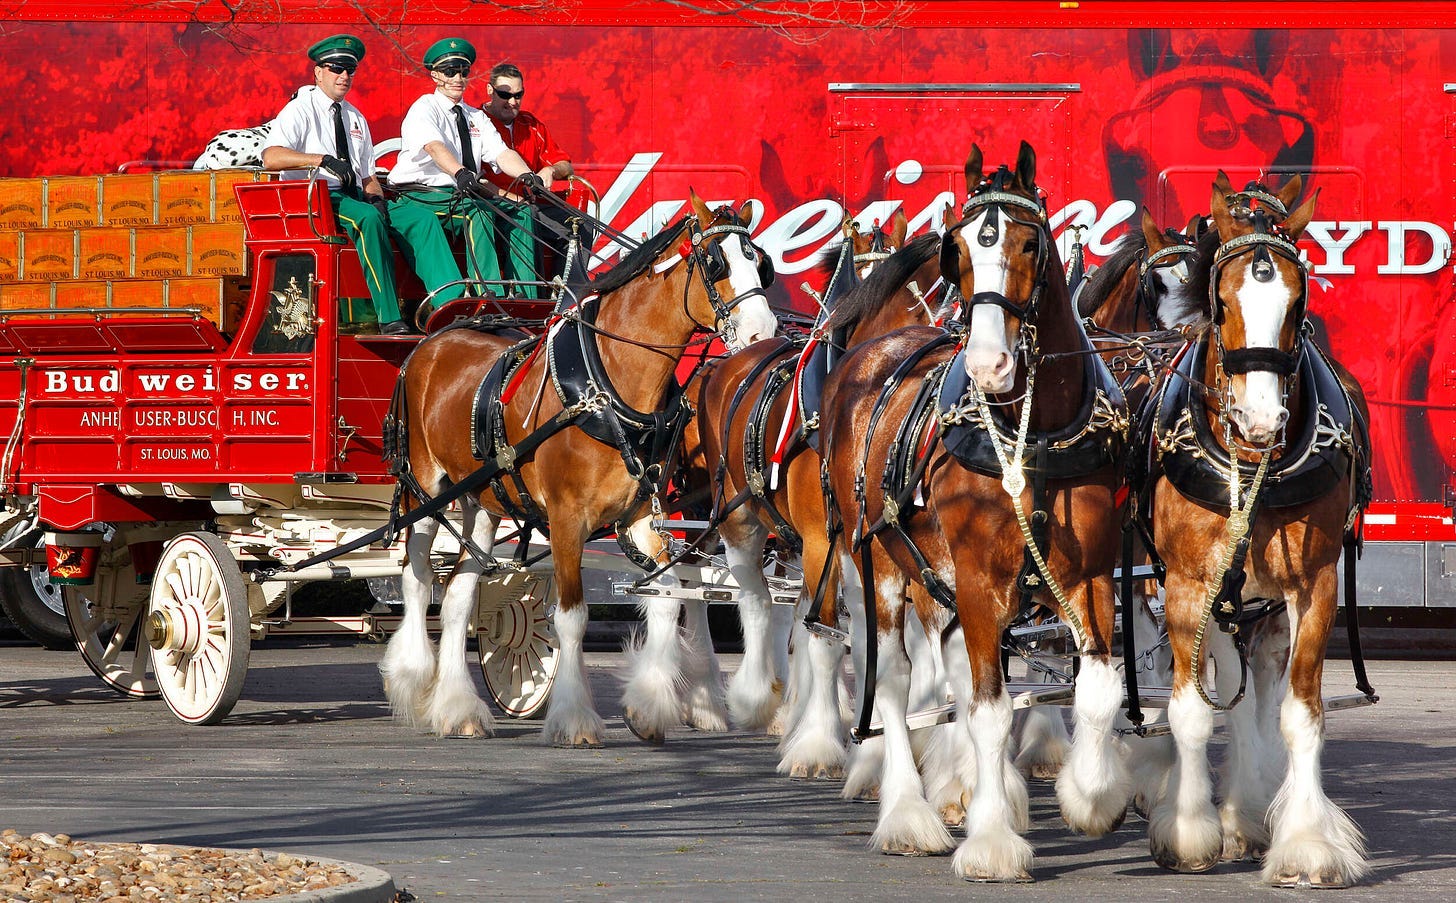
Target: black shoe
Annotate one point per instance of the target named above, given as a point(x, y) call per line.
point(396, 327)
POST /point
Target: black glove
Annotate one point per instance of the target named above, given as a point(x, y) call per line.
point(348, 180)
point(468, 182)
point(531, 185)
point(379, 203)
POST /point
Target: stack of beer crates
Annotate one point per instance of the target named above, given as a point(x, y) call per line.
point(164, 240)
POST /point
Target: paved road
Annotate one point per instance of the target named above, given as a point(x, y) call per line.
point(311, 762)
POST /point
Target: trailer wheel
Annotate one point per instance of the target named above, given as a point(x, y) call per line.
point(106, 619)
point(33, 603)
point(199, 628)
point(517, 644)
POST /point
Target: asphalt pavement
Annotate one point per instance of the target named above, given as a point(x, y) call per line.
point(311, 762)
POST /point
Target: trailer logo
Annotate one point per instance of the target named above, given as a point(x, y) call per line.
point(172, 383)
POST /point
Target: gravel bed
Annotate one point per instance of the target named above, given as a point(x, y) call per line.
point(45, 868)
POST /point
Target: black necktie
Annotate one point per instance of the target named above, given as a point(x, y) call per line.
point(467, 156)
point(341, 137)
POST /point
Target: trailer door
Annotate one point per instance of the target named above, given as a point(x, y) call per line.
point(906, 144)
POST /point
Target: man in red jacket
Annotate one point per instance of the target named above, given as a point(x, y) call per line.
point(527, 136)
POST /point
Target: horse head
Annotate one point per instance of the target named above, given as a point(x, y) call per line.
point(877, 244)
point(996, 256)
point(1164, 271)
point(1258, 292)
point(735, 274)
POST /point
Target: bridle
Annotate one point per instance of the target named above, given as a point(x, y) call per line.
point(991, 194)
point(1264, 243)
point(1163, 258)
point(704, 255)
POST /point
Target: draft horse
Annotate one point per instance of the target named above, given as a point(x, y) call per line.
point(574, 426)
point(758, 422)
point(977, 465)
point(1259, 468)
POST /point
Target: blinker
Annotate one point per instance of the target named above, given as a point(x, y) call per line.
point(1263, 265)
point(990, 231)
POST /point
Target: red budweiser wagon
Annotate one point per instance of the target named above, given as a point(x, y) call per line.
point(174, 441)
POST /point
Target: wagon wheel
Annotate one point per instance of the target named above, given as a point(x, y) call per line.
point(106, 619)
point(518, 655)
point(199, 627)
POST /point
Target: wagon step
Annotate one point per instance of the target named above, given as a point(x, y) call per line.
point(1331, 704)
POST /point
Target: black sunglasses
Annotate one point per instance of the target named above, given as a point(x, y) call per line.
point(452, 71)
point(339, 68)
point(503, 94)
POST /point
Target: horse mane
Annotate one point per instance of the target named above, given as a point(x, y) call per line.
point(828, 259)
point(637, 262)
point(884, 281)
point(1200, 277)
point(1099, 284)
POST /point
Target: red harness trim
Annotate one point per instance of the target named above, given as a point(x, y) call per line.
point(792, 414)
point(519, 376)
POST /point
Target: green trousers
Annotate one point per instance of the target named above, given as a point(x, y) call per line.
point(370, 234)
point(518, 228)
point(425, 219)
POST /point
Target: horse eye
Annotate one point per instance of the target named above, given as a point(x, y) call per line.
point(1029, 247)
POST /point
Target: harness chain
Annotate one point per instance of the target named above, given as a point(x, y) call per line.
point(1013, 480)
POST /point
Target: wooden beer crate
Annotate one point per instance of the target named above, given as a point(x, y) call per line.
point(217, 249)
point(74, 294)
point(184, 197)
point(128, 199)
point(48, 254)
point(22, 203)
point(105, 253)
point(139, 293)
point(161, 252)
point(9, 256)
point(25, 295)
point(73, 202)
point(206, 294)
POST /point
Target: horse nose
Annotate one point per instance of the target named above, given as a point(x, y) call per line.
point(993, 371)
point(756, 325)
point(1260, 426)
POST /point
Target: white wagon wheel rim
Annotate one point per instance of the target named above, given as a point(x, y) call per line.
point(110, 640)
point(198, 627)
point(516, 641)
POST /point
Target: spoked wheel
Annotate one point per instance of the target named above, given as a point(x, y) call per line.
point(106, 619)
point(517, 643)
point(198, 626)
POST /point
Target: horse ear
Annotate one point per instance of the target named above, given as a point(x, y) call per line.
point(745, 216)
point(705, 216)
point(1300, 218)
point(899, 225)
point(1218, 207)
point(974, 170)
point(950, 260)
point(1289, 191)
point(1026, 166)
point(1222, 184)
point(1151, 233)
point(1196, 227)
point(948, 217)
point(847, 227)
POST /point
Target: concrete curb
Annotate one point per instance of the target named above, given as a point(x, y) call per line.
point(373, 885)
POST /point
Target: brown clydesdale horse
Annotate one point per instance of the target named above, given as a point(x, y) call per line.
point(757, 436)
point(613, 358)
point(928, 493)
point(1267, 533)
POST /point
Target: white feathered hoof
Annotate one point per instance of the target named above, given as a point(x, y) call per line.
point(911, 828)
point(1169, 858)
point(1314, 863)
point(643, 729)
point(994, 859)
point(703, 710)
point(408, 691)
point(573, 728)
point(953, 815)
point(460, 715)
point(753, 704)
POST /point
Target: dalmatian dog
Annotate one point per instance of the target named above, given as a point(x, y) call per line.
point(235, 148)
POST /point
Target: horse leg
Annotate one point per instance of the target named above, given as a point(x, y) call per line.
point(753, 694)
point(782, 622)
point(454, 707)
point(993, 850)
point(1314, 842)
point(571, 718)
point(652, 694)
point(1042, 739)
point(1245, 795)
point(1093, 786)
point(950, 759)
point(408, 666)
point(924, 622)
point(814, 744)
point(1149, 758)
point(1184, 833)
point(703, 704)
point(866, 759)
point(907, 824)
point(1268, 662)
